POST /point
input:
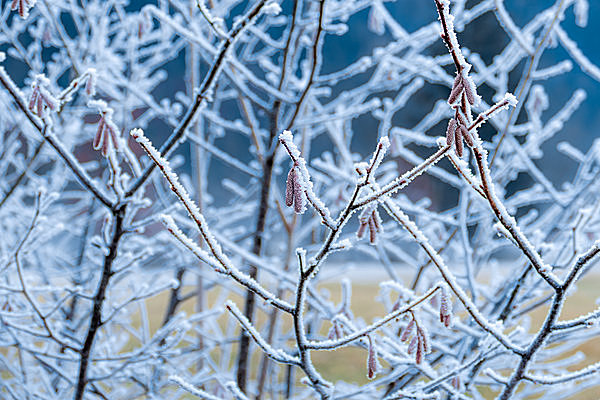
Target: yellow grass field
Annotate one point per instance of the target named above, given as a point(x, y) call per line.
point(348, 364)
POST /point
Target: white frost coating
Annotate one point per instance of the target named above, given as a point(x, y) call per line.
point(552, 71)
point(303, 179)
point(592, 369)
point(301, 253)
point(570, 151)
point(571, 47)
point(257, 73)
point(41, 99)
point(203, 255)
point(272, 8)
point(511, 28)
point(192, 389)
point(107, 113)
point(376, 19)
point(235, 391)
point(183, 195)
point(357, 334)
point(403, 180)
point(216, 23)
point(276, 354)
point(447, 275)
point(452, 32)
point(409, 394)
point(581, 10)
point(379, 154)
point(198, 218)
point(511, 99)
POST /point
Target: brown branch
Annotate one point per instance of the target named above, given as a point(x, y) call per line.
point(67, 157)
point(204, 92)
point(96, 319)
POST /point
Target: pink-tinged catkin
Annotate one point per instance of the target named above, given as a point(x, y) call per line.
point(369, 218)
point(469, 92)
point(22, 6)
point(361, 230)
point(90, 84)
point(419, 353)
point(34, 97)
point(335, 332)
point(372, 231)
point(465, 107)
point(371, 359)
point(113, 136)
point(450, 132)
point(40, 97)
point(445, 308)
point(98, 138)
point(424, 338)
point(407, 331)
point(412, 346)
point(396, 306)
point(105, 143)
point(458, 143)
point(466, 136)
point(289, 187)
point(461, 119)
point(299, 197)
point(457, 89)
point(455, 382)
point(365, 215)
point(447, 320)
point(294, 191)
point(377, 220)
point(106, 136)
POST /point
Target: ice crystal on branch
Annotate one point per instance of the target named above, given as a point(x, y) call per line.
point(22, 7)
point(41, 99)
point(370, 219)
point(100, 277)
point(106, 138)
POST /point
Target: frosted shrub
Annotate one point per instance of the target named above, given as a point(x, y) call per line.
point(265, 180)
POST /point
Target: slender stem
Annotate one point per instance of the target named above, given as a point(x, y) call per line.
point(23, 174)
point(204, 91)
point(526, 79)
point(56, 144)
point(268, 165)
point(96, 318)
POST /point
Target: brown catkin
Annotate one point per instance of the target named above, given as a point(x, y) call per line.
point(98, 137)
point(466, 135)
point(361, 230)
point(105, 144)
point(408, 330)
point(377, 220)
point(299, 198)
point(372, 231)
point(419, 351)
point(457, 89)
point(34, 97)
point(450, 132)
point(458, 142)
point(469, 92)
point(113, 136)
point(412, 346)
point(461, 119)
point(371, 359)
point(289, 187)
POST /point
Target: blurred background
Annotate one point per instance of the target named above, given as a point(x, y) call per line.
point(483, 36)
